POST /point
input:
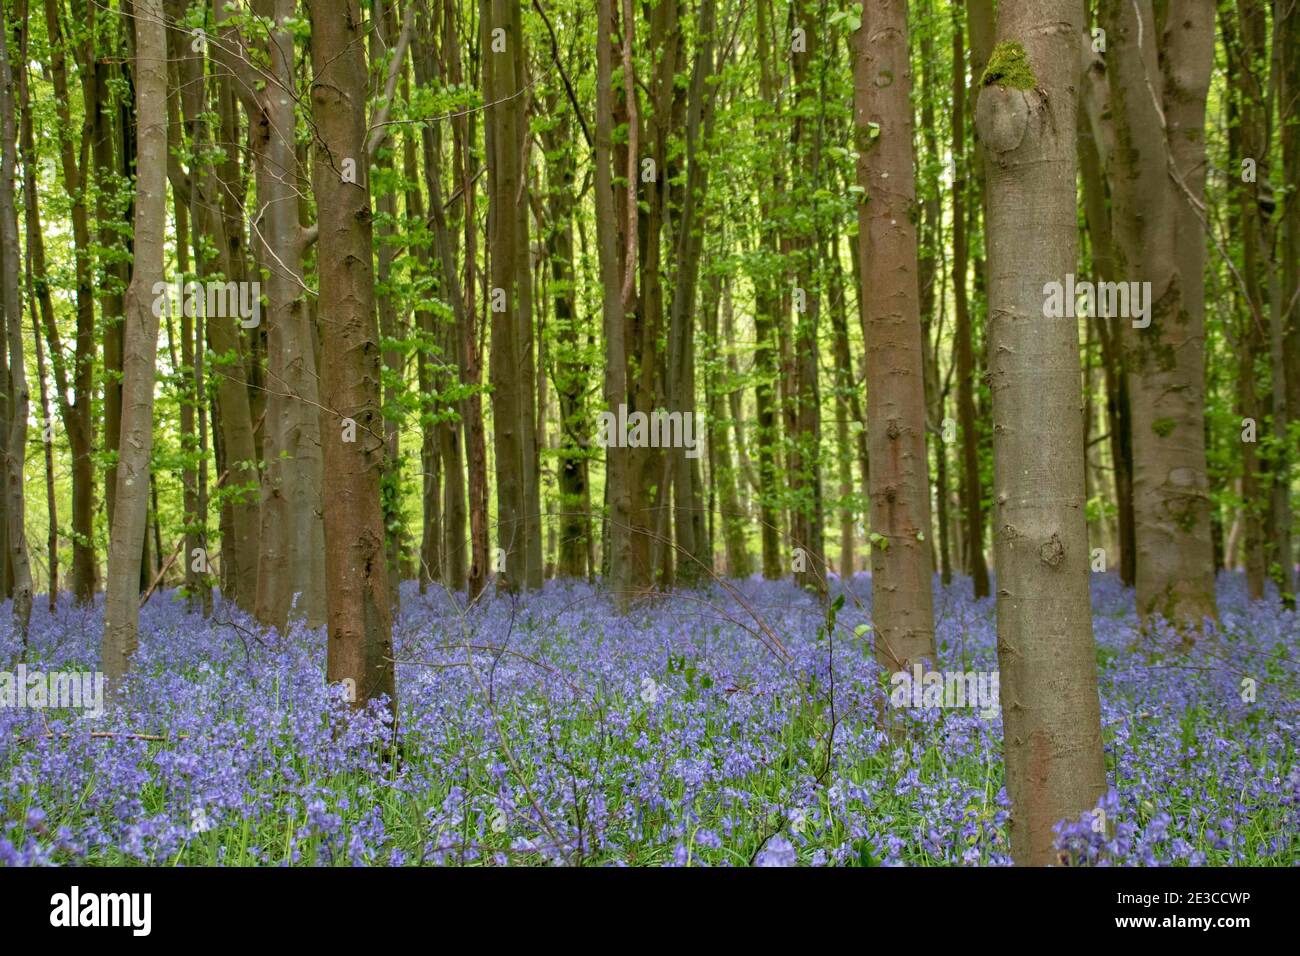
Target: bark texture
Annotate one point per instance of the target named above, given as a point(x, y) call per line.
point(360, 644)
point(140, 347)
point(1159, 72)
point(899, 489)
point(1050, 708)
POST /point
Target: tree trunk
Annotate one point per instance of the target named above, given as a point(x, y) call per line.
point(848, 426)
point(570, 370)
point(382, 36)
point(51, 504)
point(216, 258)
point(732, 479)
point(902, 598)
point(807, 518)
point(512, 365)
point(17, 405)
point(77, 415)
point(1259, 75)
point(111, 154)
point(930, 280)
point(1051, 713)
point(122, 598)
point(1246, 138)
point(722, 468)
point(38, 295)
point(291, 557)
point(432, 349)
point(845, 369)
point(1287, 41)
point(651, 365)
point(1158, 87)
point(360, 646)
point(767, 308)
point(695, 559)
point(620, 558)
point(1096, 141)
point(971, 492)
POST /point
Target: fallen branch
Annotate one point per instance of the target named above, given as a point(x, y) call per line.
point(104, 735)
point(157, 580)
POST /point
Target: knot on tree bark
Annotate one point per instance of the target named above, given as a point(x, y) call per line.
point(1052, 551)
point(1002, 115)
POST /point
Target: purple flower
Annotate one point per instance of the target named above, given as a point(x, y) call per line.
point(778, 852)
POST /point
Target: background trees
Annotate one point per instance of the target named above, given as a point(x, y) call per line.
point(1159, 77)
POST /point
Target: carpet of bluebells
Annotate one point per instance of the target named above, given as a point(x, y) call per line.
point(736, 725)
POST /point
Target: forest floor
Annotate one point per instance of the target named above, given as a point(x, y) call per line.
point(549, 729)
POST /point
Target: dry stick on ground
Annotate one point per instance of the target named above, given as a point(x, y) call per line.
point(104, 735)
point(99, 735)
point(144, 598)
point(157, 579)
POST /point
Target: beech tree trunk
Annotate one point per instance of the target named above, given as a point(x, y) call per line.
point(930, 279)
point(1284, 295)
point(291, 557)
point(383, 39)
point(650, 364)
point(848, 378)
point(218, 258)
point(77, 414)
point(899, 489)
point(460, 349)
point(140, 346)
point(1246, 133)
point(1051, 713)
point(767, 308)
point(807, 518)
point(471, 362)
point(1287, 39)
point(723, 472)
point(112, 153)
point(433, 349)
point(512, 366)
point(1158, 87)
point(359, 617)
point(18, 401)
point(695, 562)
point(618, 558)
point(1096, 140)
point(971, 492)
point(38, 291)
point(1267, 504)
point(850, 438)
point(574, 520)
